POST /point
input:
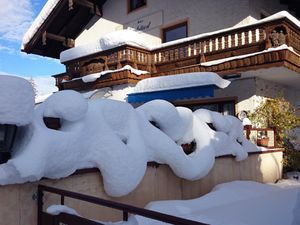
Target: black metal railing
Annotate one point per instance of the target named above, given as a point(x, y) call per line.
point(64, 218)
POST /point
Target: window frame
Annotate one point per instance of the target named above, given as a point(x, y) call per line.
point(172, 27)
point(129, 9)
point(219, 101)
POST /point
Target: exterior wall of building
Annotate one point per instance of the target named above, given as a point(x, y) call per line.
point(265, 7)
point(252, 91)
point(202, 16)
point(19, 207)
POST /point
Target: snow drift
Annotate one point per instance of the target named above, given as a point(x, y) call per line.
point(16, 101)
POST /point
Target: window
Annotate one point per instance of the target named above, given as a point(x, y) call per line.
point(175, 32)
point(135, 4)
point(226, 106)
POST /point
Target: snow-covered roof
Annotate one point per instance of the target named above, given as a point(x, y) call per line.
point(108, 41)
point(180, 81)
point(16, 101)
point(40, 19)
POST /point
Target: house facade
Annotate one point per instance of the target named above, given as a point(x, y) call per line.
point(239, 40)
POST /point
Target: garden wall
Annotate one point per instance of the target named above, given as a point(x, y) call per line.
point(18, 205)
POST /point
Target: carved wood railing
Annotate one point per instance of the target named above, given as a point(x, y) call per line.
point(191, 52)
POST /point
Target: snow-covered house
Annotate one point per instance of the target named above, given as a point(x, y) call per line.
point(162, 54)
point(241, 41)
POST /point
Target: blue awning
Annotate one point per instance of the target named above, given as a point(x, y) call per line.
point(173, 94)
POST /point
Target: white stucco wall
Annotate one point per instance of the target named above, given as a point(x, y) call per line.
point(266, 7)
point(202, 16)
point(251, 91)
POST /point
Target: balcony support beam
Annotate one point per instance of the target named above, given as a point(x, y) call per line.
point(95, 9)
point(68, 42)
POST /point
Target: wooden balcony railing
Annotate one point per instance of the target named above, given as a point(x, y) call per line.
point(63, 218)
point(188, 54)
point(264, 137)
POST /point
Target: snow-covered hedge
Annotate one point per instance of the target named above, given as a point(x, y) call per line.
point(120, 140)
point(16, 101)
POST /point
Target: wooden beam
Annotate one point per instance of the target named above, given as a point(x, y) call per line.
point(94, 8)
point(68, 42)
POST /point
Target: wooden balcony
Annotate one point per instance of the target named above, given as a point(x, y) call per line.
point(239, 49)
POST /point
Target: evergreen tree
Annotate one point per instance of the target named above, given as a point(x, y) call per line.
point(34, 87)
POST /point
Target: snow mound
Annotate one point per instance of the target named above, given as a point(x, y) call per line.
point(230, 203)
point(16, 101)
point(180, 81)
point(68, 105)
point(108, 41)
point(119, 140)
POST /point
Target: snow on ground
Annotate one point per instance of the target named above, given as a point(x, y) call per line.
point(120, 140)
point(108, 41)
point(237, 203)
point(233, 203)
point(16, 101)
point(180, 81)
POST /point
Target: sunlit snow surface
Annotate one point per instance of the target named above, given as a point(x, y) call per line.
point(120, 140)
point(233, 203)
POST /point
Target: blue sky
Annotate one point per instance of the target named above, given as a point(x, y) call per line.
point(16, 17)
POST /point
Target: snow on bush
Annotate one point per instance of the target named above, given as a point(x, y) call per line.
point(108, 41)
point(68, 105)
point(120, 140)
point(16, 101)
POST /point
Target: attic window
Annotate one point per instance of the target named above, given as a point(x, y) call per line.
point(135, 4)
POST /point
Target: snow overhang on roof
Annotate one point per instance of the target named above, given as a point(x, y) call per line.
point(58, 25)
point(181, 86)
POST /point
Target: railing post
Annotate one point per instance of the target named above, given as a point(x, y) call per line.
point(125, 216)
point(40, 203)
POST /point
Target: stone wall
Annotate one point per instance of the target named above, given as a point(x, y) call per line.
point(18, 205)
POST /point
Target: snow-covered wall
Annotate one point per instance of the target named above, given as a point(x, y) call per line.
point(202, 16)
point(120, 140)
point(16, 101)
point(17, 206)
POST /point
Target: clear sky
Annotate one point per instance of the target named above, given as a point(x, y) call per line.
point(16, 17)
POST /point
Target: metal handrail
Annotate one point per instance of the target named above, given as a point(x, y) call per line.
point(110, 204)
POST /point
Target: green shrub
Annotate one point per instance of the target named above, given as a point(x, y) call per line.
point(280, 115)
